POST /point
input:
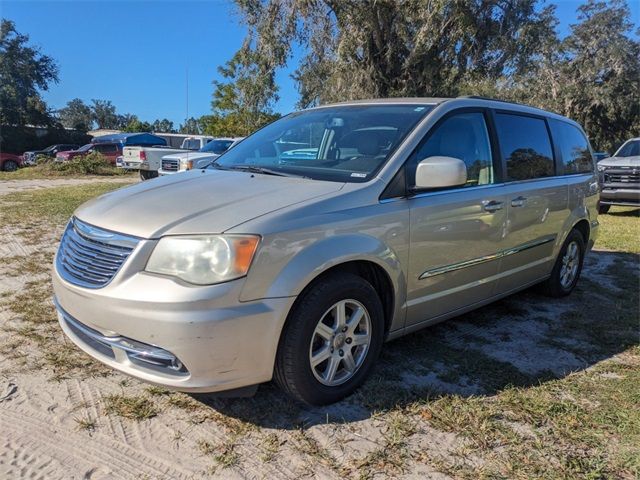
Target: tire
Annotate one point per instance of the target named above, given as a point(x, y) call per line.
point(147, 174)
point(602, 209)
point(558, 285)
point(10, 166)
point(293, 370)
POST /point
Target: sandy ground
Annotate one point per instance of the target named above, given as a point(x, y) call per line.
point(40, 437)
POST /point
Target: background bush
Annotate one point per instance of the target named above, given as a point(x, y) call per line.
point(93, 163)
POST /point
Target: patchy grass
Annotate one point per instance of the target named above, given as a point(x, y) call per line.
point(87, 424)
point(135, 408)
point(620, 230)
point(49, 205)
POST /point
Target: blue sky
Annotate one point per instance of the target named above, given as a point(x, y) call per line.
point(137, 53)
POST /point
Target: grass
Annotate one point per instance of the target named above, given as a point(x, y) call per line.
point(50, 206)
point(620, 230)
point(135, 408)
point(580, 423)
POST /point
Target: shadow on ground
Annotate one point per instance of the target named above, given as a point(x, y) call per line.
point(521, 341)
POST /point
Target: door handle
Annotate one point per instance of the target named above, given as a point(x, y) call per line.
point(492, 206)
point(518, 201)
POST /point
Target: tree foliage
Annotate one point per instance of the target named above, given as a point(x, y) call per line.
point(104, 114)
point(24, 71)
point(591, 76)
point(242, 103)
point(386, 48)
point(77, 115)
point(164, 126)
point(191, 126)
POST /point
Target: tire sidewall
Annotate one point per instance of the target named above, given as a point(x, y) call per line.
point(310, 312)
point(574, 236)
point(10, 166)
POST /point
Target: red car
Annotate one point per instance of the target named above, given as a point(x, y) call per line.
point(9, 162)
point(110, 150)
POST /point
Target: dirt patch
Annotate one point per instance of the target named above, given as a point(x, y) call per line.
point(526, 387)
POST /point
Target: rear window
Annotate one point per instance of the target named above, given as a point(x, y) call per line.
point(574, 148)
point(525, 145)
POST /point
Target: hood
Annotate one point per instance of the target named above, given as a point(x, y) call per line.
point(620, 162)
point(195, 202)
point(191, 156)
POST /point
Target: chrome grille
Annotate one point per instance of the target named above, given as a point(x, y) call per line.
point(622, 176)
point(170, 165)
point(89, 256)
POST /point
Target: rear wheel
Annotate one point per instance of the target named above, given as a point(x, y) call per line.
point(568, 266)
point(10, 166)
point(148, 174)
point(331, 340)
point(603, 208)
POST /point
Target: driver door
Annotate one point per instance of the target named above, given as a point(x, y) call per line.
point(455, 233)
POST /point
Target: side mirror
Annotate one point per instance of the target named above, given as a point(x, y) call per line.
point(439, 172)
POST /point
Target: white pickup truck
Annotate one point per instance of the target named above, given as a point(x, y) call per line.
point(148, 160)
point(180, 162)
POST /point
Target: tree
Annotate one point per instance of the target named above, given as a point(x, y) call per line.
point(77, 115)
point(591, 76)
point(384, 48)
point(164, 126)
point(24, 71)
point(241, 103)
point(136, 125)
point(191, 126)
point(104, 113)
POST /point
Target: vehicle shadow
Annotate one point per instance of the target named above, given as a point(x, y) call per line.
point(520, 341)
point(631, 212)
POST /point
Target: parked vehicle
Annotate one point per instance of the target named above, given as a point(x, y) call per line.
point(29, 157)
point(620, 177)
point(299, 270)
point(149, 160)
point(600, 155)
point(177, 140)
point(181, 162)
point(109, 150)
point(111, 146)
point(10, 162)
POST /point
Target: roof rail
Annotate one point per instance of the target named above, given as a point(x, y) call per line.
point(480, 97)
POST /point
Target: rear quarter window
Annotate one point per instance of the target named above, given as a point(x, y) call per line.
point(525, 145)
point(573, 146)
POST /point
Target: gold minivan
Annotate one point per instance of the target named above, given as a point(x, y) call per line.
point(300, 251)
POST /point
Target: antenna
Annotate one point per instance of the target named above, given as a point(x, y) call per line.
point(186, 120)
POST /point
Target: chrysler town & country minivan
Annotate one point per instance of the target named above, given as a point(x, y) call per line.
point(300, 251)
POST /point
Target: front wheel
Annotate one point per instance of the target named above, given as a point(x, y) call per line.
point(148, 174)
point(331, 340)
point(566, 271)
point(10, 166)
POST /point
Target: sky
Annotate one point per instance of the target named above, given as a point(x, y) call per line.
point(139, 54)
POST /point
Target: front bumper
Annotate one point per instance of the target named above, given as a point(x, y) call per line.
point(162, 172)
point(620, 196)
point(193, 339)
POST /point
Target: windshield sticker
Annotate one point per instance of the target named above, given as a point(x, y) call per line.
point(359, 175)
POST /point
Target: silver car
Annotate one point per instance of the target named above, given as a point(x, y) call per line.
point(300, 251)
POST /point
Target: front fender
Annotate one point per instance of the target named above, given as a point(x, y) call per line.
point(269, 280)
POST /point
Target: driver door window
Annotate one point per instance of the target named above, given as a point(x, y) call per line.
point(463, 136)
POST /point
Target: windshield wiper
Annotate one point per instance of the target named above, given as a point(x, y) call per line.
point(256, 169)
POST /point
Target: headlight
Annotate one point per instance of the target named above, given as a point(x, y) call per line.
point(601, 169)
point(187, 164)
point(204, 260)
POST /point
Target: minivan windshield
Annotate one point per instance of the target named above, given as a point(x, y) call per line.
point(341, 143)
point(217, 146)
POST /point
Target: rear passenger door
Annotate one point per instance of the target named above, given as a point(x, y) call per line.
point(455, 233)
point(537, 199)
